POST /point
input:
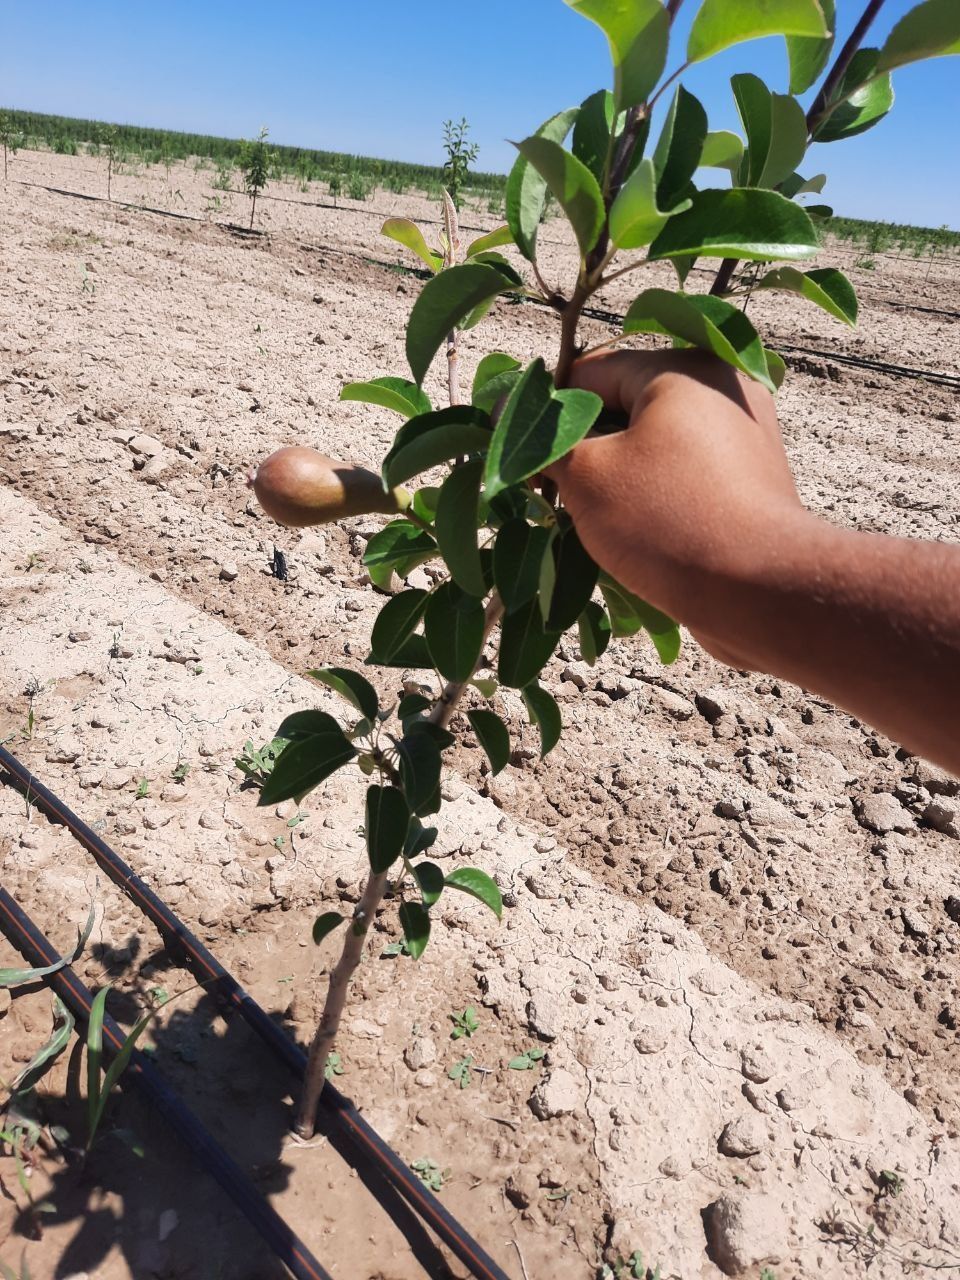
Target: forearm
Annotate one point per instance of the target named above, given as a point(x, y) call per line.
point(870, 622)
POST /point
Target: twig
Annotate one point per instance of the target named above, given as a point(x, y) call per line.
point(818, 112)
point(523, 1265)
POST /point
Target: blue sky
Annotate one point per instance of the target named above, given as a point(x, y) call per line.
point(379, 78)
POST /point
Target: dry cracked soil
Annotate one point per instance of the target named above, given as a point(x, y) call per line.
point(733, 911)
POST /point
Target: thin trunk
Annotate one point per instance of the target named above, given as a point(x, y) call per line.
point(253, 208)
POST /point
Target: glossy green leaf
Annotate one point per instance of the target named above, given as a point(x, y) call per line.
point(827, 287)
point(679, 147)
point(629, 614)
point(738, 223)
point(464, 431)
point(492, 240)
point(425, 502)
point(456, 526)
point(545, 714)
point(722, 150)
point(420, 763)
point(396, 622)
point(722, 23)
point(398, 545)
point(493, 736)
point(478, 885)
point(430, 879)
point(638, 32)
point(776, 367)
point(796, 185)
point(385, 826)
point(538, 425)
point(357, 691)
point(591, 133)
point(453, 626)
point(525, 646)
point(325, 924)
point(788, 141)
point(411, 237)
point(635, 219)
point(415, 922)
point(497, 374)
point(930, 30)
point(808, 55)
point(776, 130)
point(863, 98)
point(443, 302)
point(491, 258)
point(419, 838)
point(595, 632)
point(575, 578)
point(517, 556)
point(316, 748)
point(526, 191)
point(571, 183)
point(398, 394)
point(412, 653)
point(819, 212)
point(704, 321)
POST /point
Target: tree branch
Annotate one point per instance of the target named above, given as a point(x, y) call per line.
point(839, 68)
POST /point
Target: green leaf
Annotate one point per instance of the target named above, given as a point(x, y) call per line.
point(404, 232)
point(325, 924)
point(493, 736)
point(788, 141)
point(430, 879)
point(635, 219)
point(491, 259)
point(119, 1065)
point(94, 1059)
point(517, 556)
point(23, 977)
point(426, 441)
point(864, 97)
point(723, 150)
point(357, 691)
point(485, 686)
point(538, 425)
point(629, 614)
point(63, 1024)
point(776, 130)
point(638, 32)
point(391, 393)
point(526, 191)
point(454, 625)
point(722, 23)
point(456, 526)
point(525, 646)
point(827, 287)
point(385, 826)
point(399, 545)
point(415, 922)
point(591, 133)
point(419, 838)
point(443, 302)
point(425, 502)
point(490, 367)
point(315, 749)
point(572, 184)
point(396, 622)
point(595, 632)
point(796, 185)
point(545, 714)
point(479, 885)
point(704, 321)
point(738, 223)
point(420, 764)
point(492, 240)
point(930, 30)
point(412, 653)
point(808, 55)
point(413, 704)
point(547, 576)
point(679, 148)
point(576, 577)
point(776, 367)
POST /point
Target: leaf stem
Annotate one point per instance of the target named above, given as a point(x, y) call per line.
point(415, 519)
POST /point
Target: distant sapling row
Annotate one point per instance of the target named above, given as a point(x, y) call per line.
point(512, 577)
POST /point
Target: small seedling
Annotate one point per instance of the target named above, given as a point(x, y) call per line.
point(99, 1090)
point(254, 164)
point(527, 1060)
point(430, 1173)
point(462, 1072)
point(460, 156)
point(464, 1024)
point(143, 789)
point(768, 1274)
point(257, 765)
point(180, 771)
point(333, 1067)
point(394, 949)
point(890, 1183)
point(108, 145)
point(10, 141)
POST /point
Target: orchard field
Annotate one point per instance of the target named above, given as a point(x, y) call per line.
point(732, 913)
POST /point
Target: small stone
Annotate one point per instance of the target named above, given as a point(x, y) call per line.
point(228, 571)
point(154, 819)
point(544, 887)
point(209, 916)
point(421, 1053)
point(882, 812)
point(210, 820)
point(64, 752)
point(941, 817)
point(649, 1040)
point(755, 1066)
point(712, 705)
point(418, 580)
point(521, 1187)
point(743, 1137)
point(744, 1230)
point(146, 446)
point(425, 1079)
point(914, 923)
point(558, 1095)
point(155, 467)
point(952, 907)
point(675, 706)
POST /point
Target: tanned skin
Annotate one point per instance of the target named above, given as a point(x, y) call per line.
point(693, 507)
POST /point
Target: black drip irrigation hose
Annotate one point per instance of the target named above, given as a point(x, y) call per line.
point(37, 950)
point(337, 1111)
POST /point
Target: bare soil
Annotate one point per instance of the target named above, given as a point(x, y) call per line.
point(734, 916)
